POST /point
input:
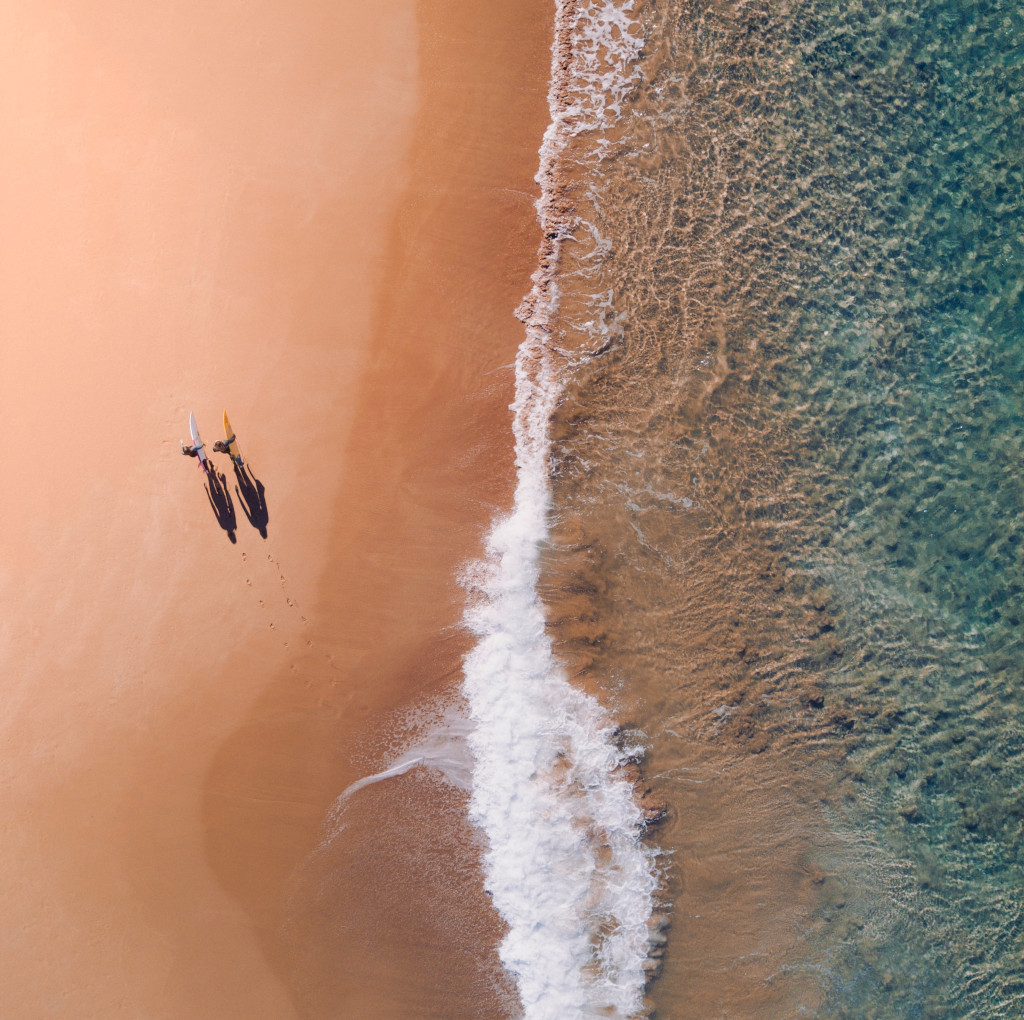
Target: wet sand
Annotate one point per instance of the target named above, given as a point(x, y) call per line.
point(322, 221)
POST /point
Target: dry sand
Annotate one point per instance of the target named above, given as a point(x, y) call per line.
point(318, 216)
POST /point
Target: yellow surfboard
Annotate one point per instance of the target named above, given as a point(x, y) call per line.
point(229, 436)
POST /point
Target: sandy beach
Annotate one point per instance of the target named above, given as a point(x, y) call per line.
point(321, 219)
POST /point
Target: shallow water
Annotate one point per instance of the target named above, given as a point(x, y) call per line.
point(787, 494)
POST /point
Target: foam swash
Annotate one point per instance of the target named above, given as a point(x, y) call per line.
point(564, 864)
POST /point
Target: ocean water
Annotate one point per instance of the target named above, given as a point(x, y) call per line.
point(770, 429)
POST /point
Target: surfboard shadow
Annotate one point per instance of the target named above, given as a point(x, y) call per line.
point(252, 496)
point(221, 503)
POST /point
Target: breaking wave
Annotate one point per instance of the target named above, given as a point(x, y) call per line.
point(565, 864)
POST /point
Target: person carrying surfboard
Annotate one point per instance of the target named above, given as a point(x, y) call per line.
point(225, 447)
point(196, 449)
point(230, 444)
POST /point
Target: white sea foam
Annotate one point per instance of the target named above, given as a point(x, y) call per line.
point(565, 865)
point(434, 737)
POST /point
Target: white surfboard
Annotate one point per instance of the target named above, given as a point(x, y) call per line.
point(196, 441)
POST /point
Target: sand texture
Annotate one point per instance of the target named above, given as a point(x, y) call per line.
point(319, 217)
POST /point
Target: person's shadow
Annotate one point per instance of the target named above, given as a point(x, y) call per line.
point(253, 499)
point(220, 500)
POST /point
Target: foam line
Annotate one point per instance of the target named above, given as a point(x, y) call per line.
point(565, 865)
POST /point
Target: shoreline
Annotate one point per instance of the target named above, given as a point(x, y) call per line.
point(552, 783)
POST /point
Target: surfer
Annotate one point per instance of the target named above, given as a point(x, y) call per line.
point(225, 447)
point(229, 445)
point(196, 450)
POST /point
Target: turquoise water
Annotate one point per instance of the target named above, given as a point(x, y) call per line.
point(789, 470)
point(914, 423)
